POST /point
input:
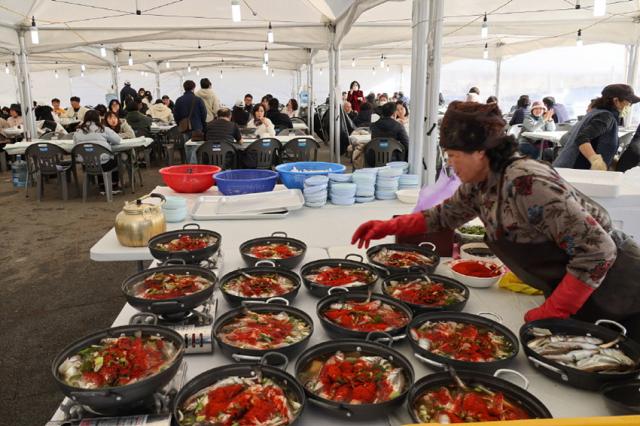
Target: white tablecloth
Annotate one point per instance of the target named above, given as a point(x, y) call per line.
point(299, 126)
point(360, 138)
point(556, 135)
point(12, 132)
point(157, 128)
point(19, 148)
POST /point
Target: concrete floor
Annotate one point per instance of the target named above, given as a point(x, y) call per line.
point(51, 292)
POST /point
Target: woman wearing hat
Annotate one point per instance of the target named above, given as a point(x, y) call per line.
point(538, 120)
point(549, 234)
point(593, 141)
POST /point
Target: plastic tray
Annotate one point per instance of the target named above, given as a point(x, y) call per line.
point(247, 205)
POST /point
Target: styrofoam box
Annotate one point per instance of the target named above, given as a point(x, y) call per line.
point(594, 183)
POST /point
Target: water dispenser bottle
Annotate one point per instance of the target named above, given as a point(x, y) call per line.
point(19, 173)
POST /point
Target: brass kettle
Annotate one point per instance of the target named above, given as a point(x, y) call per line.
point(138, 221)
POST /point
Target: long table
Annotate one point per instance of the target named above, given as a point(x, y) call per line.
point(19, 148)
point(327, 232)
point(556, 135)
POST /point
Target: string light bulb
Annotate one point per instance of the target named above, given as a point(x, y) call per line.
point(599, 7)
point(235, 11)
point(6, 68)
point(381, 61)
point(266, 53)
point(353, 62)
point(388, 68)
point(373, 70)
point(130, 59)
point(577, 4)
point(320, 70)
point(82, 74)
point(55, 73)
point(484, 31)
point(188, 67)
point(270, 34)
point(272, 72)
point(198, 72)
point(35, 38)
point(103, 51)
point(168, 64)
point(119, 69)
point(579, 39)
point(220, 74)
point(83, 68)
point(485, 52)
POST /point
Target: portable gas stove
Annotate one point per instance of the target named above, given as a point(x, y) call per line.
point(196, 325)
point(154, 412)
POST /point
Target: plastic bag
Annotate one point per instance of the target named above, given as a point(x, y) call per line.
point(430, 196)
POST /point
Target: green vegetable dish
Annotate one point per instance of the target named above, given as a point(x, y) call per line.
point(472, 230)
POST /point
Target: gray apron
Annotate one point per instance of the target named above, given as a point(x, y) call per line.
point(543, 265)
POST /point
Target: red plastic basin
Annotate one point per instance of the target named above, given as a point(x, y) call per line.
point(189, 178)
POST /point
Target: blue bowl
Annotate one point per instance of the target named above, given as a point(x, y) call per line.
point(295, 179)
point(316, 180)
point(245, 181)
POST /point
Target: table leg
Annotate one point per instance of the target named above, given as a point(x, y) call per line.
point(133, 177)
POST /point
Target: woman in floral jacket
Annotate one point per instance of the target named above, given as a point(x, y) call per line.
point(547, 232)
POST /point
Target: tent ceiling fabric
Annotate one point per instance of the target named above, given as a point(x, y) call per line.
point(201, 32)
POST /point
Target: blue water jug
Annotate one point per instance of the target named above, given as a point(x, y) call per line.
point(19, 173)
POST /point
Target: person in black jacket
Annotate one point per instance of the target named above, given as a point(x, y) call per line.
point(363, 119)
point(127, 90)
point(280, 120)
point(222, 128)
point(183, 107)
point(387, 127)
point(522, 109)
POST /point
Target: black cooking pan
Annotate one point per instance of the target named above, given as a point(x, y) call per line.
point(426, 249)
point(169, 306)
point(322, 290)
point(571, 376)
point(420, 309)
point(262, 267)
point(513, 393)
point(290, 385)
point(194, 256)
point(342, 294)
point(278, 238)
point(366, 347)
point(117, 399)
point(271, 306)
point(441, 362)
point(623, 398)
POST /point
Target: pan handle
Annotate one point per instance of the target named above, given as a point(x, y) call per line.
point(356, 255)
point(265, 262)
point(341, 409)
point(622, 328)
point(429, 362)
point(173, 261)
point(143, 318)
point(240, 358)
point(491, 314)
point(428, 244)
point(167, 304)
point(96, 394)
point(556, 370)
point(342, 290)
point(279, 233)
point(282, 300)
point(282, 365)
point(502, 371)
point(386, 337)
point(191, 225)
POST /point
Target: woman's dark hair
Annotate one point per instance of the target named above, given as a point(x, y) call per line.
point(388, 109)
point(352, 83)
point(604, 102)
point(239, 116)
point(113, 101)
point(44, 112)
point(255, 109)
point(189, 85)
point(91, 117)
point(102, 110)
point(117, 127)
point(475, 90)
point(294, 104)
point(366, 106)
point(134, 104)
point(274, 104)
point(523, 101)
point(16, 108)
point(491, 100)
point(371, 98)
point(404, 105)
point(472, 126)
point(549, 101)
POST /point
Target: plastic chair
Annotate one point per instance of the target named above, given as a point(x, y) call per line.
point(300, 149)
point(380, 151)
point(173, 140)
point(262, 154)
point(67, 137)
point(296, 132)
point(92, 155)
point(47, 159)
point(47, 136)
point(362, 129)
point(218, 153)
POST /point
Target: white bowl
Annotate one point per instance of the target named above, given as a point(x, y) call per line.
point(408, 196)
point(476, 282)
point(464, 254)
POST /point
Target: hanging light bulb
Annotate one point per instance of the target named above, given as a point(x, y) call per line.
point(266, 53)
point(271, 72)
point(35, 39)
point(198, 72)
point(168, 65)
point(373, 70)
point(220, 74)
point(599, 7)
point(579, 39)
point(353, 62)
point(485, 52)
point(381, 61)
point(119, 69)
point(83, 67)
point(266, 69)
point(6, 68)
point(103, 51)
point(235, 11)
point(270, 34)
point(82, 74)
point(264, 66)
point(484, 31)
point(320, 71)
point(55, 73)
point(188, 67)
point(388, 68)
point(577, 4)
point(130, 59)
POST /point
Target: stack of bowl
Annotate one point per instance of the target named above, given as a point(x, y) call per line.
point(343, 194)
point(365, 180)
point(387, 183)
point(175, 209)
point(401, 165)
point(315, 191)
point(408, 181)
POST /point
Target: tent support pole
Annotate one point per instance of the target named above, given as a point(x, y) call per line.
point(332, 102)
point(158, 81)
point(337, 103)
point(311, 107)
point(114, 74)
point(498, 77)
point(25, 80)
point(434, 48)
point(418, 85)
point(632, 71)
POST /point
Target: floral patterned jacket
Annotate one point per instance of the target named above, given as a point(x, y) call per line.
point(537, 206)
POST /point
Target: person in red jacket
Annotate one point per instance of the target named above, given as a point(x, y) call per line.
point(550, 235)
point(355, 96)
